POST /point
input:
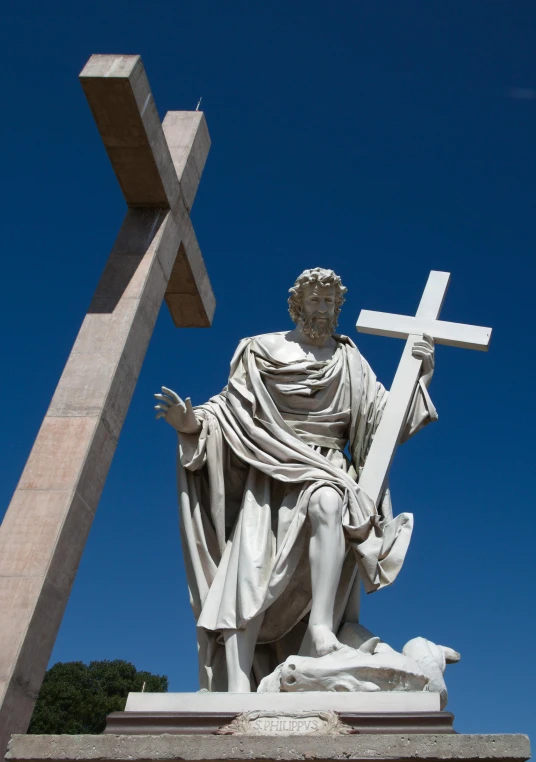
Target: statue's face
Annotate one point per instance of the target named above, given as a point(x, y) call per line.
point(320, 301)
point(318, 310)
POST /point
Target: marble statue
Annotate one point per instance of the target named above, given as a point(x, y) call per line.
point(273, 521)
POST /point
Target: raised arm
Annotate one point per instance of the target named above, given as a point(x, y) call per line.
point(180, 415)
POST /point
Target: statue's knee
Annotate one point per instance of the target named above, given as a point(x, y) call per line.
point(325, 505)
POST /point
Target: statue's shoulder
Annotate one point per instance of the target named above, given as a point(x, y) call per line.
point(271, 341)
point(266, 344)
point(346, 340)
point(352, 352)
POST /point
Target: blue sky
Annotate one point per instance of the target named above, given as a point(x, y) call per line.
point(380, 139)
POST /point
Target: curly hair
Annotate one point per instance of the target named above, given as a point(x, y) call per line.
point(308, 277)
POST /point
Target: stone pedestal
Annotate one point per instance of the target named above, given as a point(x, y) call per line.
point(198, 748)
point(208, 713)
point(200, 727)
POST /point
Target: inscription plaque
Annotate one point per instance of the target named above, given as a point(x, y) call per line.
point(286, 724)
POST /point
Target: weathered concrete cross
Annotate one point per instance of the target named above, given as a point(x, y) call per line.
point(155, 256)
point(387, 436)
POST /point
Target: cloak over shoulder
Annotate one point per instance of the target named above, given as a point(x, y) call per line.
point(275, 434)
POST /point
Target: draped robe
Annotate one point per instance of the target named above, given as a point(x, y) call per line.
point(274, 435)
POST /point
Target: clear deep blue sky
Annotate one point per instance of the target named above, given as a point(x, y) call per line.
point(380, 139)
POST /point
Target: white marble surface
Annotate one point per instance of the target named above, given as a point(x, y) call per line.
point(264, 459)
point(389, 433)
point(368, 666)
point(385, 701)
point(275, 437)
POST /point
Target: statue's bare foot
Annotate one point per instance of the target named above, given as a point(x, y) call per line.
point(323, 640)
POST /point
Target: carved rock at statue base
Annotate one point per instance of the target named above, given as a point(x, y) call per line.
point(373, 666)
point(431, 658)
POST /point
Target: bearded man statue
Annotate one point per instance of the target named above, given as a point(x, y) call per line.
point(273, 522)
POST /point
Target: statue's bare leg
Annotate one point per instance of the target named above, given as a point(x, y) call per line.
point(239, 652)
point(326, 557)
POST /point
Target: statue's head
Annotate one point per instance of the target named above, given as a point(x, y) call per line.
point(315, 301)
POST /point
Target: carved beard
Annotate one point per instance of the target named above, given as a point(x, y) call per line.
point(317, 330)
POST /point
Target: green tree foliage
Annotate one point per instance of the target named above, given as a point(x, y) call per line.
point(76, 698)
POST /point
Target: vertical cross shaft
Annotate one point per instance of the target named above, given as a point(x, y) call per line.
point(155, 256)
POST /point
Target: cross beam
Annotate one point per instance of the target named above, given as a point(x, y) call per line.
point(155, 256)
point(386, 439)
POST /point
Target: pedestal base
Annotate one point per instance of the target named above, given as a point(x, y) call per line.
point(206, 713)
point(206, 723)
point(194, 748)
point(380, 701)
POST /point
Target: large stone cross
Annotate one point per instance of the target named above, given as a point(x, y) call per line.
point(155, 256)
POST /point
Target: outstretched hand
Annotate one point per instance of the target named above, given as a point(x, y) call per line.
point(424, 350)
point(177, 413)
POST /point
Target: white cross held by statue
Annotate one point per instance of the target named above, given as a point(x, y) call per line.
point(376, 469)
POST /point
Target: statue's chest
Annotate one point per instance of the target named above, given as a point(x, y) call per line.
point(313, 393)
